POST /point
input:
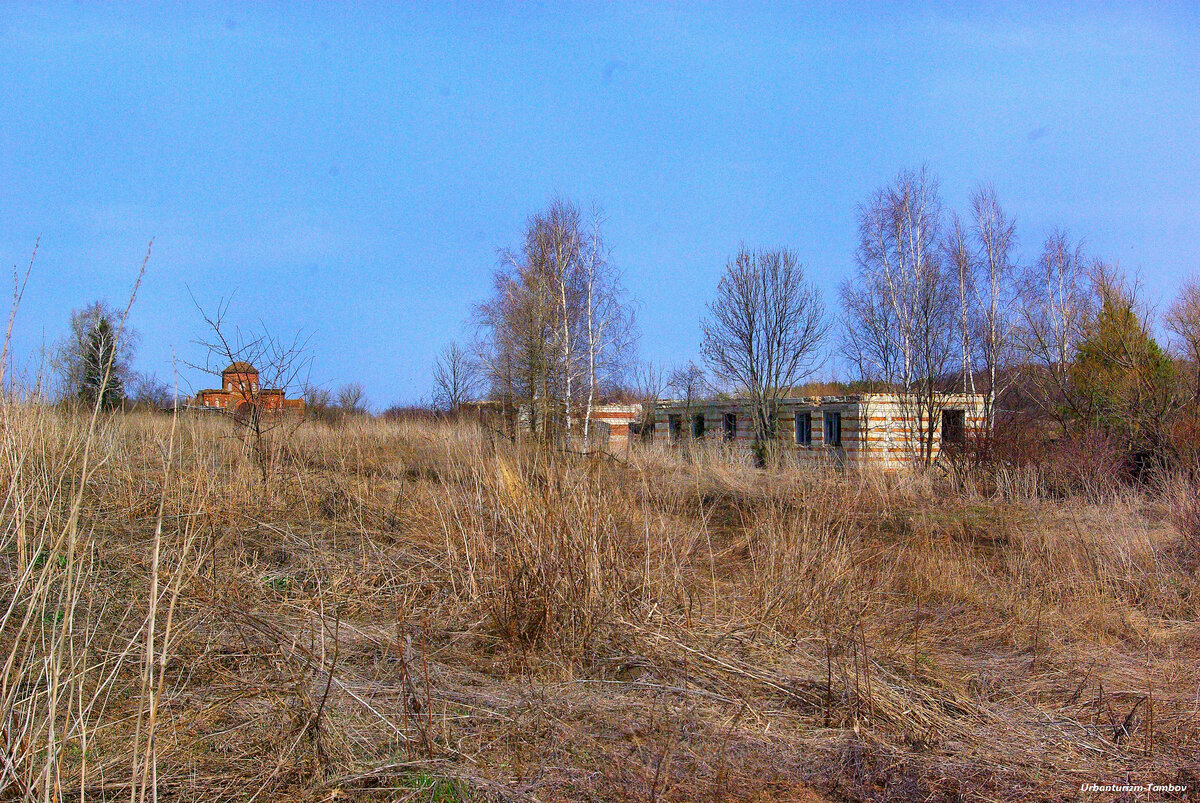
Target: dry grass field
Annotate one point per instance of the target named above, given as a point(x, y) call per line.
point(423, 612)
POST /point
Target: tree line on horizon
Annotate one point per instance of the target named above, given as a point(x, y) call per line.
point(938, 303)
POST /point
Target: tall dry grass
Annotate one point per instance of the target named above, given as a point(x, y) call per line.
point(422, 611)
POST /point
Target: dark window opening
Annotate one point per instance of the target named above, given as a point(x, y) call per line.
point(674, 424)
point(954, 426)
point(833, 429)
point(730, 422)
point(804, 429)
point(698, 426)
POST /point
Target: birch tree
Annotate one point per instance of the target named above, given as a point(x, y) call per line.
point(1183, 321)
point(556, 251)
point(900, 305)
point(1057, 303)
point(962, 263)
point(608, 322)
point(994, 292)
point(559, 324)
point(95, 360)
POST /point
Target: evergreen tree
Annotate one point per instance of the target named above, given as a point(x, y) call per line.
point(96, 359)
point(99, 380)
point(1125, 381)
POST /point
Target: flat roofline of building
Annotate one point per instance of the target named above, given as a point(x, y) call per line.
point(817, 400)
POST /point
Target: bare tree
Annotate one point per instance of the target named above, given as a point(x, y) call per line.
point(1057, 303)
point(557, 249)
point(763, 331)
point(513, 348)
point(455, 378)
point(558, 323)
point(352, 399)
point(281, 365)
point(319, 403)
point(962, 262)
point(529, 345)
point(869, 342)
point(517, 347)
point(688, 384)
point(650, 380)
point(151, 393)
point(609, 330)
point(1183, 320)
point(900, 307)
point(95, 360)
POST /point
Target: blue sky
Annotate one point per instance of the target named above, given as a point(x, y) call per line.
point(351, 170)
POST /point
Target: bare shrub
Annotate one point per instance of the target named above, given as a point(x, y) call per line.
point(1090, 464)
point(279, 365)
point(1086, 463)
point(1182, 495)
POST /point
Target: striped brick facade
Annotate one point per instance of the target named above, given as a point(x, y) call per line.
point(876, 429)
point(611, 424)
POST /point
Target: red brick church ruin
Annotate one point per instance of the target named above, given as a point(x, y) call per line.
point(241, 395)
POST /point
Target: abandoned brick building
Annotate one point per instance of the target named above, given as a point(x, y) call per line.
point(877, 429)
point(611, 424)
point(241, 395)
point(871, 429)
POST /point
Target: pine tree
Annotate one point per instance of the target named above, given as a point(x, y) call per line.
point(96, 358)
point(100, 379)
point(1124, 378)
